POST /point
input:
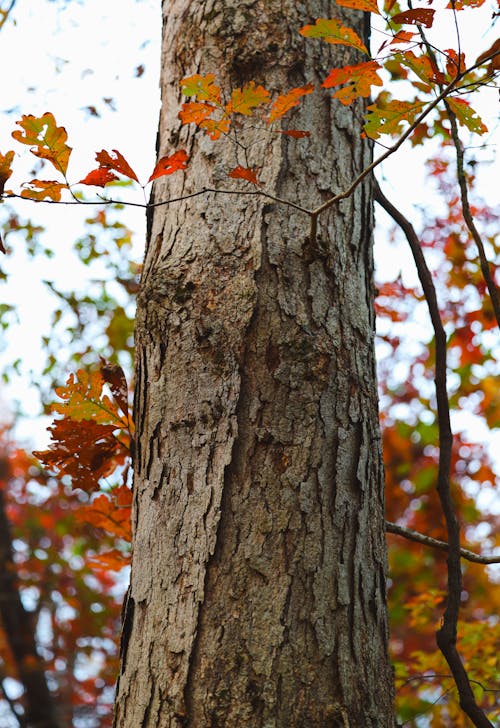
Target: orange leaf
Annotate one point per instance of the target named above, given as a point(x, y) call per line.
point(417, 16)
point(5, 168)
point(216, 128)
point(360, 79)
point(195, 111)
point(454, 65)
point(367, 6)
point(244, 173)
point(112, 560)
point(105, 513)
point(169, 165)
point(84, 400)
point(403, 36)
point(287, 101)
point(39, 189)
point(332, 31)
point(244, 100)
point(118, 163)
point(99, 177)
point(48, 141)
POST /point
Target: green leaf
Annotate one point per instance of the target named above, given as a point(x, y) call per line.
point(389, 118)
point(466, 115)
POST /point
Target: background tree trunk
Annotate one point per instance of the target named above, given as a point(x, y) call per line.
point(257, 594)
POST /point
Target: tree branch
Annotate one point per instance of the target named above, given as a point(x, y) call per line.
point(446, 636)
point(435, 543)
point(468, 218)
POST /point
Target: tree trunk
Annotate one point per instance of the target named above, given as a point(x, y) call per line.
point(257, 593)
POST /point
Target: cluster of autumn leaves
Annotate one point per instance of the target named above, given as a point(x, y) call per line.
point(91, 438)
point(216, 117)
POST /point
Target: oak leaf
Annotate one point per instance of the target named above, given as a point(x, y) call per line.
point(244, 173)
point(389, 117)
point(283, 103)
point(99, 177)
point(48, 141)
point(110, 512)
point(84, 400)
point(416, 16)
point(112, 560)
point(215, 129)
point(245, 100)
point(332, 31)
point(295, 133)
point(360, 78)
point(493, 54)
point(194, 112)
point(114, 377)
point(367, 6)
point(466, 115)
point(201, 86)
point(38, 189)
point(5, 169)
point(462, 4)
point(169, 165)
point(117, 162)
point(85, 451)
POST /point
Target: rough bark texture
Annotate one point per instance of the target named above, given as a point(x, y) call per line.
point(257, 594)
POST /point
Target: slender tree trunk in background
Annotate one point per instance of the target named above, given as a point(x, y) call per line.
point(257, 592)
point(19, 627)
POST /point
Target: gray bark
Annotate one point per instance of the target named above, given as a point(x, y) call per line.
point(257, 593)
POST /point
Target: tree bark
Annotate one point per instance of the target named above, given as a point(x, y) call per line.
point(257, 593)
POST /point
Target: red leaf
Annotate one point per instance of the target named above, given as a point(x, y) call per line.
point(118, 163)
point(99, 177)
point(86, 451)
point(244, 173)
point(295, 133)
point(418, 16)
point(169, 165)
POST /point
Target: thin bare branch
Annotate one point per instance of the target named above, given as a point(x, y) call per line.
point(435, 543)
point(468, 217)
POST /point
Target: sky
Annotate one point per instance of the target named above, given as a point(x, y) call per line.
point(95, 66)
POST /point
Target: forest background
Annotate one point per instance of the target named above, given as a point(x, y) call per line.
point(80, 268)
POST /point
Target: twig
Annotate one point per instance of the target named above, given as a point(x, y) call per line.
point(435, 543)
point(468, 218)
